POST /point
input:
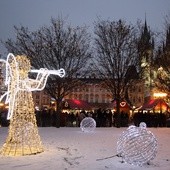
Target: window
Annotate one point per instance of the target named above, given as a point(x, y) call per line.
point(96, 98)
point(87, 97)
point(103, 98)
point(108, 99)
point(37, 96)
point(91, 89)
point(96, 88)
point(91, 98)
point(75, 96)
point(139, 100)
point(80, 96)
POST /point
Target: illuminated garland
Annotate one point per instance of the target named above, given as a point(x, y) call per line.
point(23, 138)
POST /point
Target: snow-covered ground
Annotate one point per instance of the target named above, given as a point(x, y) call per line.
point(69, 148)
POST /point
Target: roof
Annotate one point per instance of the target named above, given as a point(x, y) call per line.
point(151, 104)
point(83, 105)
point(76, 104)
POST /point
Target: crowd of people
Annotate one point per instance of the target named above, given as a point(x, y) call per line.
point(3, 118)
point(103, 118)
point(153, 119)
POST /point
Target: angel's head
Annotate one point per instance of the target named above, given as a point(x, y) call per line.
point(23, 64)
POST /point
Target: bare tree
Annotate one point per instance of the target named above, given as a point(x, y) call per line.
point(162, 60)
point(163, 80)
point(166, 44)
point(115, 45)
point(162, 63)
point(53, 47)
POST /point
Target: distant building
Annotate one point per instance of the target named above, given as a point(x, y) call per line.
point(136, 93)
point(145, 52)
point(94, 92)
point(41, 100)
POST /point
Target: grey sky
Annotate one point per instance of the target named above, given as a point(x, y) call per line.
point(36, 13)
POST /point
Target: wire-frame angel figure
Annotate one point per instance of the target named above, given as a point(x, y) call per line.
point(23, 137)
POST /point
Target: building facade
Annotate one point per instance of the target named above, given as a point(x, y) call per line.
point(136, 93)
point(92, 91)
point(41, 100)
point(95, 93)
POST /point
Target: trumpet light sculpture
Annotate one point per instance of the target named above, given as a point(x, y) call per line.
point(137, 145)
point(23, 137)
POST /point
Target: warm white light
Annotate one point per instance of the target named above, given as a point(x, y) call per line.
point(160, 95)
point(23, 138)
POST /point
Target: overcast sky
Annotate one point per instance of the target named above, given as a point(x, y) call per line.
point(36, 13)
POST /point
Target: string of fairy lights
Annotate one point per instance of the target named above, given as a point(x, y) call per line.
point(23, 137)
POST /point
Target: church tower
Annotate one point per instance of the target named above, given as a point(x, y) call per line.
point(145, 52)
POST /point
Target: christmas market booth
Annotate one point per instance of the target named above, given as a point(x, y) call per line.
point(155, 105)
point(121, 119)
point(154, 113)
point(124, 106)
point(72, 109)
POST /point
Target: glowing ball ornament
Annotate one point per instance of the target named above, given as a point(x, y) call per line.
point(88, 124)
point(137, 145)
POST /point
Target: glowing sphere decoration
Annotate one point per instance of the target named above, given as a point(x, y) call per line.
point(88, 124)
point(137, 145)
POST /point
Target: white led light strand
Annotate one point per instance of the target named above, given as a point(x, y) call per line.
point(88, 124)
point(37, 84)
point(23, 138)
point(137, 145)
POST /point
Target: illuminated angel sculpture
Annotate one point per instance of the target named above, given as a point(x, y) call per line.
point(23, 137)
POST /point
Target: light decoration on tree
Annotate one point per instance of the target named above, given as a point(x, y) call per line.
point(66, 104)
point(88, 124)
point(137, 145)
point(23, 137)
point(122, 104)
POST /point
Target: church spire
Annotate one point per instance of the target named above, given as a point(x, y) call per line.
point(168, 38)
point(145, 26)
point(146, 46)
point(146, 37)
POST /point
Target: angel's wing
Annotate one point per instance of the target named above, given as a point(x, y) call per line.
point(11, 81)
